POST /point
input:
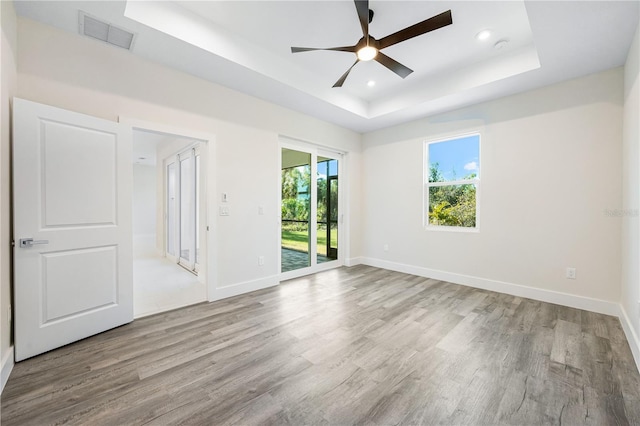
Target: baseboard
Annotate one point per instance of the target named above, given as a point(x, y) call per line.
point(243, 287)
point(353, 261)
point(565, 299)
point(632, 336)
point(7, 366)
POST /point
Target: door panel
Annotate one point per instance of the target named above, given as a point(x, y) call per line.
point(79, 171)
point(183, 208)
point(100, 291)
point(186, 209)
point(332, 237)
point(296, 210)
point(327, 209)
point(171, 210)
point(310, 210)
point(72, 195)
point(197, 209)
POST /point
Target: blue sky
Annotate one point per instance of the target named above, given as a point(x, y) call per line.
point(457, 158)
point(333, 168)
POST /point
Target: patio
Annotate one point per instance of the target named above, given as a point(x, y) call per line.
point(294, 259)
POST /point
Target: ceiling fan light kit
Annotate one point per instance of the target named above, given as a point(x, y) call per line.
point(367, 53)
point(368, 48)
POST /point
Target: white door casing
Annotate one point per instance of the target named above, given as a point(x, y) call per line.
point(72, 180)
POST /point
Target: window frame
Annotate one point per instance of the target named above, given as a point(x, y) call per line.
point(426, 184)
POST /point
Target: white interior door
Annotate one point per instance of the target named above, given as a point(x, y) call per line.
point(72, 182)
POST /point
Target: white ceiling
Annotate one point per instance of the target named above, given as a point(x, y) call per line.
point(245, 45)
point(147, 144)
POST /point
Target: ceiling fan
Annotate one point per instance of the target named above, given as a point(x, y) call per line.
point(369, 48)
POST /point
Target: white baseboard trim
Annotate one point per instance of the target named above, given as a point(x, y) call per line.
point(632, 337)
point(7, 366)
point(353, 261)
point(565, 299)
point(244, 287)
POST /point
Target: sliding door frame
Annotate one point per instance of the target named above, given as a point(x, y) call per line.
point(191, 153)
point(315, 151)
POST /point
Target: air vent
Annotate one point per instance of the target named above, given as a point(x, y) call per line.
point(95, 28)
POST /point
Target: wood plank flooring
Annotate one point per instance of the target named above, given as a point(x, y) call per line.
point(351, 345)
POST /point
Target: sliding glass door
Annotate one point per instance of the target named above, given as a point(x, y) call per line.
point(327, 209)
point(182, 209)
point(310, 204)
point(296, 210)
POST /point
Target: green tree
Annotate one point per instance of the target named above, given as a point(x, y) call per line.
point(291, 179)
point(451, 205)
point(295, 195)
point(322, 199)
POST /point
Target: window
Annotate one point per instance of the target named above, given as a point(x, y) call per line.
point(452, 183)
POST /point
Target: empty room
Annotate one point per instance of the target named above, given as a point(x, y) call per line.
point(320, 212)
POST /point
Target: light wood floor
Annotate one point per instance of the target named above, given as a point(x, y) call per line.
point(351, 345)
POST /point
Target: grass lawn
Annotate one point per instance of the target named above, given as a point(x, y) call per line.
point(299, 240)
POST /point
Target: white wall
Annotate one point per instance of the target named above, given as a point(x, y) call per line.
point(551, 161)
point(144, 200)
point(631, 196)
point(8, 47)
point(80, 74)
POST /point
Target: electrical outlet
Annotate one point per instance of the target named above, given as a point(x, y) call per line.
point(260, 260)
point(386, 247)
point(224, 211)
point(571, 273)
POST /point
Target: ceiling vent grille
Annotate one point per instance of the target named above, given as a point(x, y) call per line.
point(95, 28)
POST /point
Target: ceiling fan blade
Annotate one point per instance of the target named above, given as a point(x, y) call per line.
point(341, 80)
point(309, 49)
point(431, 24)
point(393, 65)
point(362, 6)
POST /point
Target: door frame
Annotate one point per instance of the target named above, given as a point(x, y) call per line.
point(208, 186)
point(315, 150)
point(192, 151)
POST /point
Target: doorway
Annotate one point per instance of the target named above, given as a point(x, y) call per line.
point(167, 230)
point(311, 210)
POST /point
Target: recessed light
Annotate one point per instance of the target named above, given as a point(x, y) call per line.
point(371, 83)
point(483, 35)
point(500, 44)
